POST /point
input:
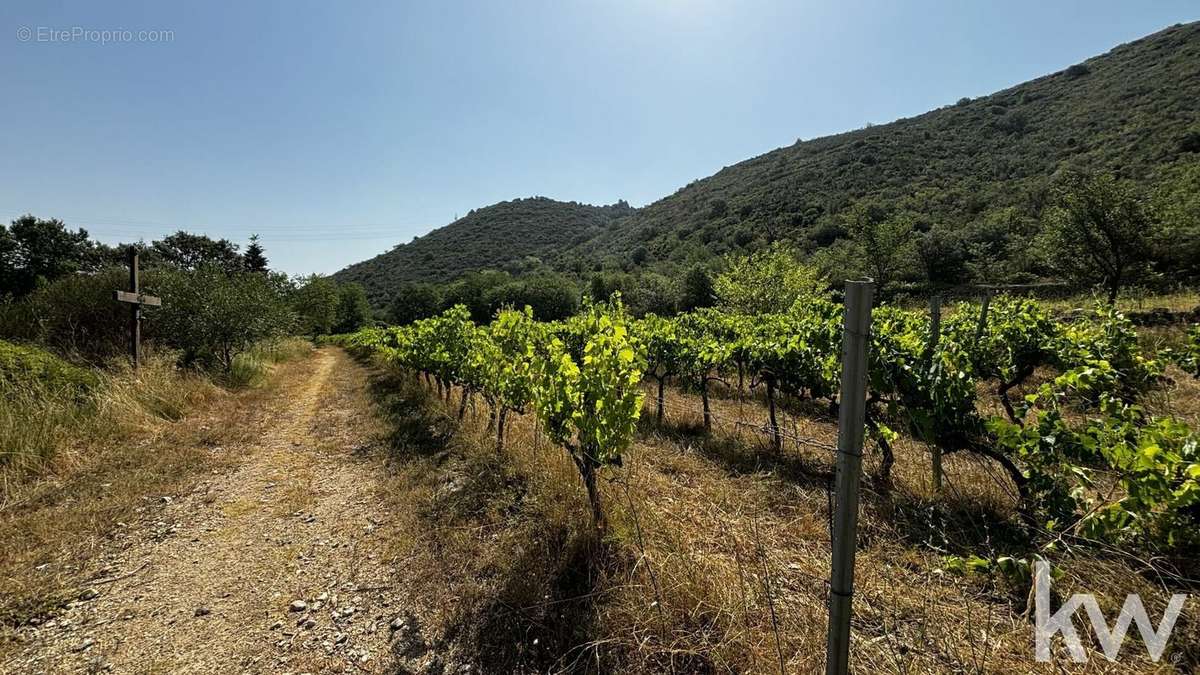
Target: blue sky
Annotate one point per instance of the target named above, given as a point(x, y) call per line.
point(339, 129)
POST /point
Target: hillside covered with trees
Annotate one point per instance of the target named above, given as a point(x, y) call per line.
point(515, 236)
point(973, 173)
point(959, 194)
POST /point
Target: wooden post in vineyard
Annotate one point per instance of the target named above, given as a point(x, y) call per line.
point(851, 418)
point(983, 315)
point(935, 335)
point(136, 299)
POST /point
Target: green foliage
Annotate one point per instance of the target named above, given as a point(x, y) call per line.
point(1016, 572)
point(935, 390)
point(77, 314)
point(23, 366)
point(353, 311)
point(187, 251)
point(493, 237)
point(316, 302)
point(1120, 476)
point(551, 296)
point(471, 291)
point(771, 280)
point(414, 301)
point(1188, 357)
point(35, 251)
point(582, 376)
point(503, 356)
point(255, 258)
point(881, 245)
point(1177, 204)
point(696, 290)
point(213, 316)
point(590, 404)
point(1098, 232)
point(653, 294)
point(1157, 464)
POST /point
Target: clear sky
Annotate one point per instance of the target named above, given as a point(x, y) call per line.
point(336, 130)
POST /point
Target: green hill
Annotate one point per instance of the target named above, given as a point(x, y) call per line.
point(975, 174)
point(1131, 111)
point(514, 235)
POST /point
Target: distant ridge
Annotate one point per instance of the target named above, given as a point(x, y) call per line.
point(498, 236)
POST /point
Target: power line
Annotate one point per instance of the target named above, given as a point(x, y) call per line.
point(130, 227)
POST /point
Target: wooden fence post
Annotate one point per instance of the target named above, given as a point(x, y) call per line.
point(935, 335)
point(983, 315)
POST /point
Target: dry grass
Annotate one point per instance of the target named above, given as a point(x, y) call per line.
point(718, 554)
point(147, 437)
point(1131, 300)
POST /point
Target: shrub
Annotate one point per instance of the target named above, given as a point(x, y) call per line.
point(1077, 70)
point(78, 315)
point(246, 370)
point(767, 281)
point(213, 316)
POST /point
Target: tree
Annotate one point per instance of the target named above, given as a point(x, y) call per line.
point(653, 294)
point(770, 280)
point(414, 301)
point(255, 259)
point(1177, 205)
point(696, 291)
point(213, 315)
point(353, 310)
point(552, 296)
point(941, 254)
point(471, 291)
point(607, 282)
point(884, 244)
point(35, 251)
point(188, 251)
point(1098, 231)
point(315, 302)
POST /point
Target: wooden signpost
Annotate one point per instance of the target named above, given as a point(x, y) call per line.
point(136, 299)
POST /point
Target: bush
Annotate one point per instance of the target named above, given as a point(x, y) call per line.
point(213, 316)
point(78, 315)
point(246, 370)
point(1077, 70)
point(771, 280)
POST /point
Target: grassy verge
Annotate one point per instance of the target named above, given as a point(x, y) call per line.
point(80, 470)
point(252, 367)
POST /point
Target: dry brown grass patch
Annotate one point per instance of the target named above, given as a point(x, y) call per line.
point(718, 554)
point(54, 522)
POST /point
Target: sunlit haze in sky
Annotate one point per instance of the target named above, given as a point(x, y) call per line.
point(338, 130)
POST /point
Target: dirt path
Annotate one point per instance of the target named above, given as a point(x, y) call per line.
point(272, 567)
